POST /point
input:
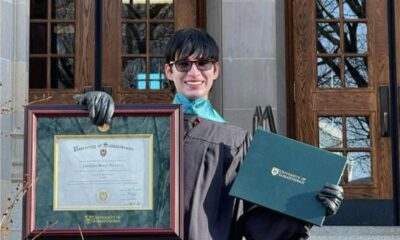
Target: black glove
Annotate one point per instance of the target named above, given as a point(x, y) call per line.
point(100, 106)
point(331, 197)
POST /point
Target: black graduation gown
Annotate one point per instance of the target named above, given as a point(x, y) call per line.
point(213, 153)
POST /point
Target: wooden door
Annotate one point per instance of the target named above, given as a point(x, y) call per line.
point(134, 34)
point(340, 76)
point(61, 50)
point(133, 65)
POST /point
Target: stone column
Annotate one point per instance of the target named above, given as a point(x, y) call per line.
point(14, 42)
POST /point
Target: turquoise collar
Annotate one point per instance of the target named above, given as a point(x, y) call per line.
point(198, 107)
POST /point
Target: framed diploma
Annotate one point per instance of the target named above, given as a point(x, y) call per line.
point(117, 181)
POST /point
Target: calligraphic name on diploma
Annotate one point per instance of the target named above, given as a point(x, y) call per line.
point(103, 172)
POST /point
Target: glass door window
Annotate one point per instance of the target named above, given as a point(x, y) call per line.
point(135, 33)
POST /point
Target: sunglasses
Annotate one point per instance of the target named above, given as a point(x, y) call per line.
point(186, 65)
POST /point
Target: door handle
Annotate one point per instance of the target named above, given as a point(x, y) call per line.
point(384, 111)
point(104, 89)
point(88, 89)
point(107, 89)
point(260, 119)
point(270, 117)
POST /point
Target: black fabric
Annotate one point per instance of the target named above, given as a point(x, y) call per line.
point(213, 153)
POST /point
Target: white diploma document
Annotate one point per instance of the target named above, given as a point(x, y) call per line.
point(103, 172)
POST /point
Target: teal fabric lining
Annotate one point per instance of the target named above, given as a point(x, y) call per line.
point(198, 107)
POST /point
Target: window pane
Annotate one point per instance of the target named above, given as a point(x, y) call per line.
point(359, 167)
point(327, 9)
point(356, 72)
point(62, 73)
point(161, 9)
point(38, 9)
point(37, 72)
point(38, 38)
point(328, 70)
point(354, 9)
point(133, 9)
point(62, 38)
point(355, 40)
point(330, 132)
point(133, 38)
point(160, 34)
point(357, 132)
point(157, 77)
point(133, 73)
point(63, 9)
point(328, 37)
point(143, 43)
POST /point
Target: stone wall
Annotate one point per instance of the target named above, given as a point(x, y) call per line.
point(253, 60)
point(13, 94)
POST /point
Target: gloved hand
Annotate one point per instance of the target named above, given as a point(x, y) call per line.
point(331, 197)
point(100, 106)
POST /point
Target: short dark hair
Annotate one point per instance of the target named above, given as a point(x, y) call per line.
point(191, 41)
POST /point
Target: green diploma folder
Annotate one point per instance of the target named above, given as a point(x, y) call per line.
point(285, 175)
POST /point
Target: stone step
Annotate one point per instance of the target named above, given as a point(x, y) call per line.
point(355, 233)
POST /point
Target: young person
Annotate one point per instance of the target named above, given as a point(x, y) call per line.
point(213, 151)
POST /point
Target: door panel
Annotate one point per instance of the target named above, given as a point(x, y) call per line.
point(61, 51)
point(340, 59)
point(135, 33)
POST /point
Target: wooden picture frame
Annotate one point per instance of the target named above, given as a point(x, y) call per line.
point(95, 197)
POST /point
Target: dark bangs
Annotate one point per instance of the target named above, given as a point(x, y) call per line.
point(187, 42)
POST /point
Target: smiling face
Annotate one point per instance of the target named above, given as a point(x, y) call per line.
point(194, 83)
